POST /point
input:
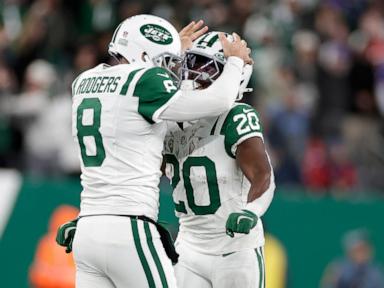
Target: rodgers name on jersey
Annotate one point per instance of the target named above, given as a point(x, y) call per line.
point(208, 185)
point(120, 137)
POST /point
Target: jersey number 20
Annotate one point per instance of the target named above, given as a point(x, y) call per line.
point(90, 130)
point(213, 188)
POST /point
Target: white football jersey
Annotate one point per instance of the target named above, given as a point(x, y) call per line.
point(120, 138)
point(208, 184)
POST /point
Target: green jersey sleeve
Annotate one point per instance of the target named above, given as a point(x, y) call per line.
point(155, 89)
point(241, 123)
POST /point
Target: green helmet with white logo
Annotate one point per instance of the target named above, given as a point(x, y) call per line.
point(146, 39)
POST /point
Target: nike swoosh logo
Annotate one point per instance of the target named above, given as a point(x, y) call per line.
point(66, 233)
point(227, 254)
point(243, 217)
point(163, 75)
point(247, 110)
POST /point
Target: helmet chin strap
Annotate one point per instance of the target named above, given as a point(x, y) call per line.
point(241, 93)
point(187, 85)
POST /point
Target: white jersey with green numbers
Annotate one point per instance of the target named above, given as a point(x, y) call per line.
point(208, 184)
point(120, 138)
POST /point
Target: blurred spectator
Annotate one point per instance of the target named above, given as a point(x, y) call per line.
point(9, 147)
point(328, 167)
point(45, 121)
point(343, 171)
point(51, 267)
point(372, 25)
point(85, 57)
point(268, 56)
point(127, 9)
point(306, 45)
point(357, 269)
point(288, 133)
point(334, 65)
point(318, 80)
point(365, 142)
point(47, 33)
point(361, 78)
point(316, 168)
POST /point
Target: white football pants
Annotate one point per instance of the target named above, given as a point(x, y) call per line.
point(120, 252)
point(243, 269)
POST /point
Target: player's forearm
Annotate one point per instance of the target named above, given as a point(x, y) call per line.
point(212, 101)
point(260, 198)
point(259, 184)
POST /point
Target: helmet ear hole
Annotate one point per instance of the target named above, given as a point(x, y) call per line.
point(145, 57)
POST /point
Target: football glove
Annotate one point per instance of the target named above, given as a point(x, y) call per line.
point(65, 235)
point(240, 222)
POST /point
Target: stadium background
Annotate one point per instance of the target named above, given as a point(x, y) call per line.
point(318, 84)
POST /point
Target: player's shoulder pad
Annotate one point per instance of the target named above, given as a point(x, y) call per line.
point(154, 89)
point(154, 73)
point(74, 82)
point(84, 74)
point(241, 122)
point(237, 109)
point(152, 80)
point(242, 108)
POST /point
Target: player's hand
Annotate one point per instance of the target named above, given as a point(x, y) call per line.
point(65, 235)
point(240, 222)
point(237, 47)
point(190, 33)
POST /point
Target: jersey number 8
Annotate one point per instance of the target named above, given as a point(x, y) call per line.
point(90, 130)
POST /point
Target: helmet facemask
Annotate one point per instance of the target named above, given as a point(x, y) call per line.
point(170, 62)
point(202, 69)
point(204, 63)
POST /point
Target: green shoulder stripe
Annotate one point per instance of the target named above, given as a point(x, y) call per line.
point(125, 87)
point(154, 89)
point(242, 122)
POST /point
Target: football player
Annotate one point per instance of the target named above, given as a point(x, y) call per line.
point(223, 183)
point(118, 123)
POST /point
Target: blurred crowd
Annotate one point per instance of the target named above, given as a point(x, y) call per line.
point(318, 80)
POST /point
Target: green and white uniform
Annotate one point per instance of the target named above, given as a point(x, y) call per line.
point(208, 186)
point(116, 125)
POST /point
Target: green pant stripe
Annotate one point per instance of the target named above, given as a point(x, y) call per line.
point(140, 252)
point(155, 255)
point(262, 257)
point(124, 89)
point(260, 268)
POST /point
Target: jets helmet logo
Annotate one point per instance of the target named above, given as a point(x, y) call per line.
point(156, 34)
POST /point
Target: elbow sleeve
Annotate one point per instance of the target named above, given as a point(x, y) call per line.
point(260, 205)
